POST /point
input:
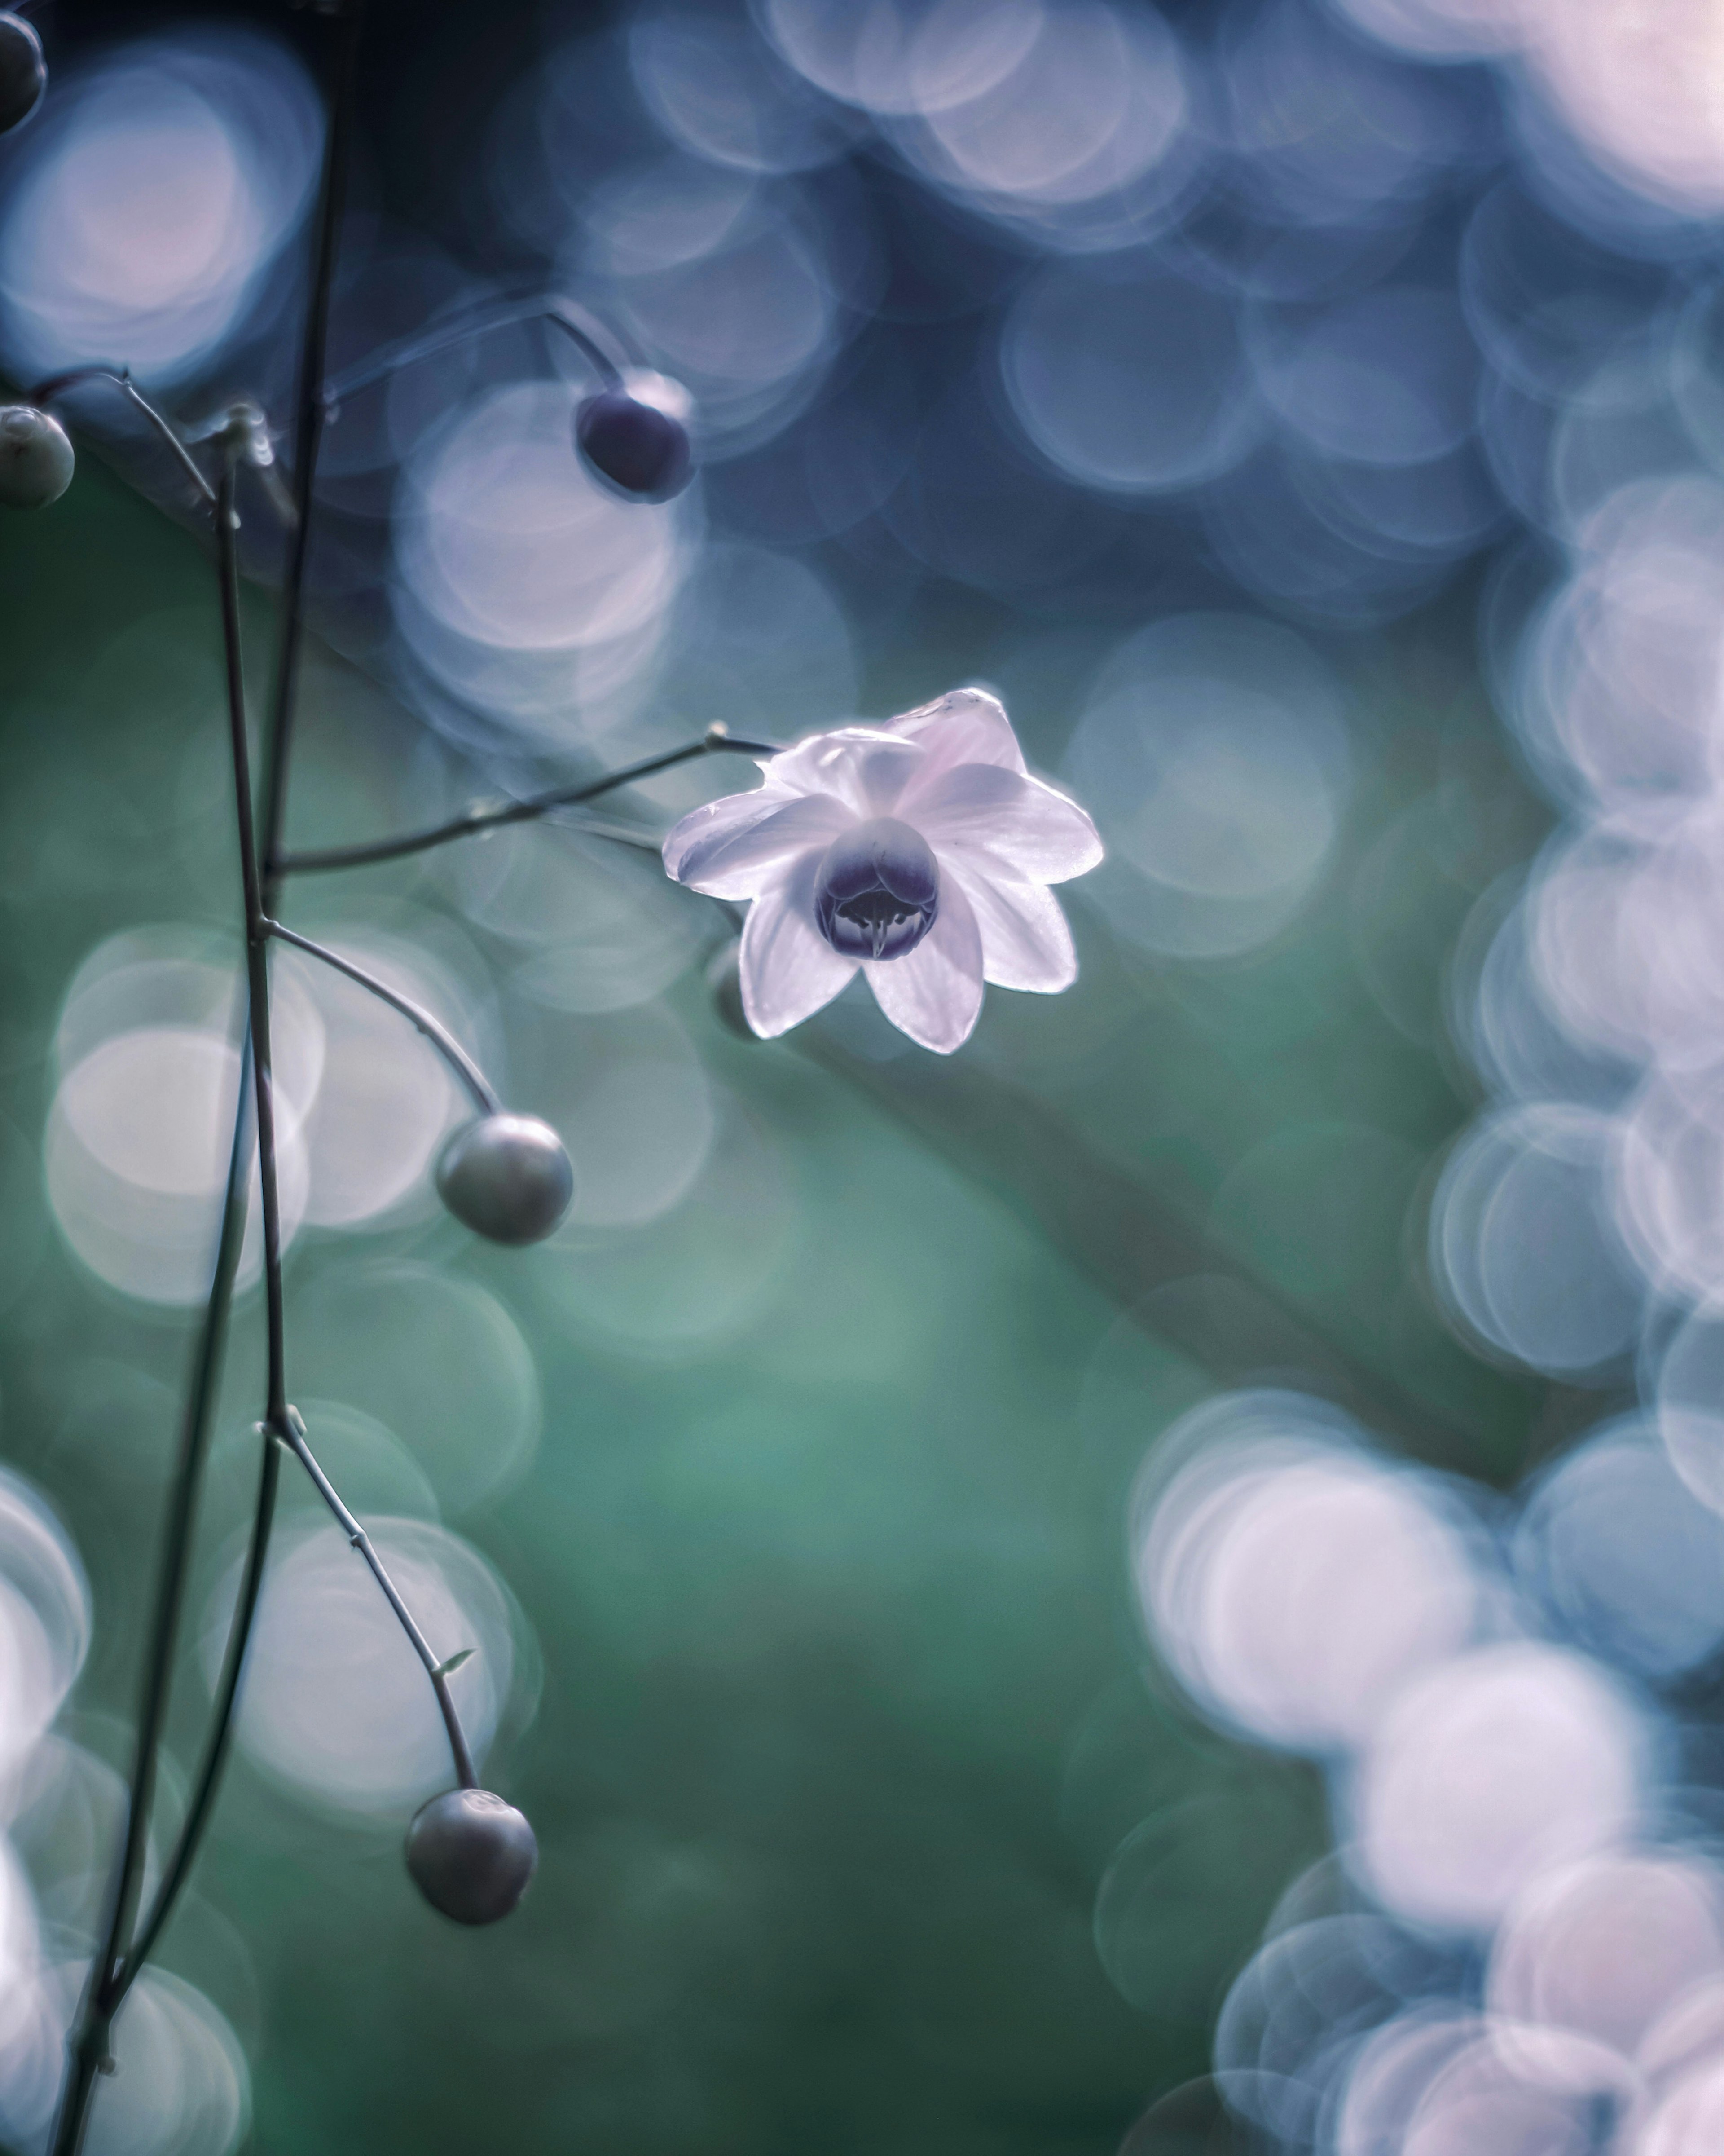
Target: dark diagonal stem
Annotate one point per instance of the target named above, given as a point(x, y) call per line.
point(208, 1779)
point(440, 1038)
point(362, 1543)
point(715, 740)
point(89, 2042)
point(308, 425)
point(111, 1976)
point(257, 954)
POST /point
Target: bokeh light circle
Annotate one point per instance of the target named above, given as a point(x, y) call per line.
point(149, 201)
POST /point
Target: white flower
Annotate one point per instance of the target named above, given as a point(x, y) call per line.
point(920, 850)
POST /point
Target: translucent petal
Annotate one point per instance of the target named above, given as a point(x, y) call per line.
point(1021, 824)
point(1025, 940)
point(738, 861)
point(935, 994)
point(788, 969)
point(865, 767)
point(725, 818)
point(965, 725)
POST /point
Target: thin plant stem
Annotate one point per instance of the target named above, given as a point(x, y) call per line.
point(436, 1670)
point(89, 2041)
point(715, 740)
point(110, 1978)
point(308, 426)
point(121, 379)
point(407, 352)
point(257, 952)
point(440, 1038)
point(208, 1779)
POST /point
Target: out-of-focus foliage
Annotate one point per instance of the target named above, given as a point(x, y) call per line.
point(1180, 1547)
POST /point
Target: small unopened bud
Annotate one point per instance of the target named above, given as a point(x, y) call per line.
point(507, 1178)
point(635, 437)
point(471, 1855)
point(23, 74)
point(36, 459)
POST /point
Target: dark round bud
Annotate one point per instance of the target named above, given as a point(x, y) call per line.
point(724, 979)
point(471, 1855)
point(36, 459)
point(506, 1177)
point(877, 890)
point(633, 437)
point(23, 74)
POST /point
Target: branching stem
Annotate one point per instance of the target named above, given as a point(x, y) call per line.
point(121, 379)
point(123, 1951)
point(715, 740)
point(440, 1038)
point(114, 1969)
point(362, 1543)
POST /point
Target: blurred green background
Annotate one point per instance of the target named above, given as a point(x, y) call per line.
point(843, 1711)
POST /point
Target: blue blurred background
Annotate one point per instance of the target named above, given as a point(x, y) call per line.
point(1156, 1587)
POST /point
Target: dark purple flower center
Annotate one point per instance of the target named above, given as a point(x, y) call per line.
point(877, 890)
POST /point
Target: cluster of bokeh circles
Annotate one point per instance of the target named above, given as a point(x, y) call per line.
point(184, 2082)
point(335, 1714)
point(1518, 1942)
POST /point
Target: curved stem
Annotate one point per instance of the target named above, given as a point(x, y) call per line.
point(407, 352)
point(362, 1543)
point(208, 1779)
point(443, 1041)
point(121, 379)
point(716, 739)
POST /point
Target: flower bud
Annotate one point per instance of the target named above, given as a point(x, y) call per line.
point(507, 1178)
point(634, 437)
point(471, 1855)
point(23, 76)
point(877, 890)
point(36, 459)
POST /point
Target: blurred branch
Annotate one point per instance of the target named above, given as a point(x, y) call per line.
point(715, 740)
point(1120, 1231)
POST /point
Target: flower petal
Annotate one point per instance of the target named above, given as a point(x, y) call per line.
point(965, 725)
point(730, 813)
point(865, 767)
point(788, 969)
point(935, 993)
point(728, 859)
point(1021, 826)
point(1025, 940)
